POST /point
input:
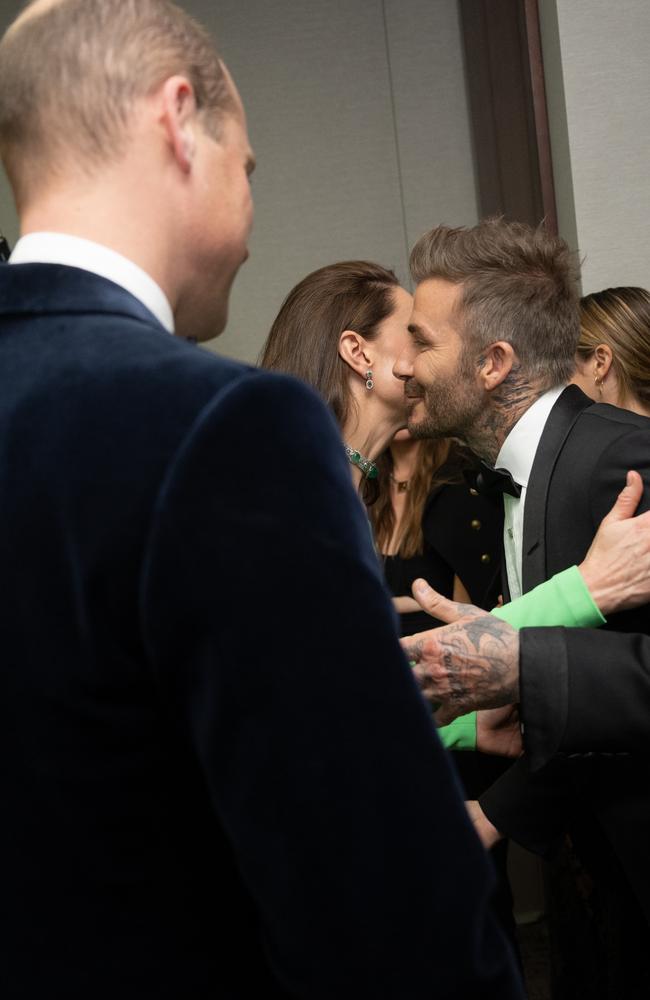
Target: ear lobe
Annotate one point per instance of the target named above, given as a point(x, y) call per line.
point(352, 350)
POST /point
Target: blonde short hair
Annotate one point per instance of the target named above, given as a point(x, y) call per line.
point(71, 73)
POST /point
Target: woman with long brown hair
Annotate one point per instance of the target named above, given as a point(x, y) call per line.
point(341, 329)
point(427, 522)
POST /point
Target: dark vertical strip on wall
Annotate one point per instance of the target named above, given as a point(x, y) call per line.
point(507, 104)
point(540, 110)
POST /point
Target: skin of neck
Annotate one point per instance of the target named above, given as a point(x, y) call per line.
point(370, 426)
point(617, 397)
point(635, 406)
point(506, 404)
point(132, 204)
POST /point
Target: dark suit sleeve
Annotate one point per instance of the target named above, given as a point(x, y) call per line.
point(585, 690)
point(603, 705)
point(270, 631)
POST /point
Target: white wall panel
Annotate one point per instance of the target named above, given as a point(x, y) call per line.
point(314, 78)
point(357, 113)
point(606, 81)
point(435, 147)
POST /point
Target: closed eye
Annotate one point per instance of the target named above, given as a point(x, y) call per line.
point(416, 336)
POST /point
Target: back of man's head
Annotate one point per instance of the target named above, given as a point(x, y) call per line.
point(71, 72)
point(519, 284)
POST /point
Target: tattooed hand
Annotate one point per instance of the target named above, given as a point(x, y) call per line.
point(471, 663)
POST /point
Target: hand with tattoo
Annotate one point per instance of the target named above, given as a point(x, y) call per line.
point(471, 663)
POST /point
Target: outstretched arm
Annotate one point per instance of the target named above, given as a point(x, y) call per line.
point(473, 662)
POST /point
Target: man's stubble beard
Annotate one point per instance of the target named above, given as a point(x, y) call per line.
point(453, 407)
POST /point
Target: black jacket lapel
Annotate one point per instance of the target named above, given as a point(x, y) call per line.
point(561, 419)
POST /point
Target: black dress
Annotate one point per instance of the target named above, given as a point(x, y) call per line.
point(462, 537)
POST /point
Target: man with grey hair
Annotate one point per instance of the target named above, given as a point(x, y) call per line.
point(494, 332)
point(204, 795)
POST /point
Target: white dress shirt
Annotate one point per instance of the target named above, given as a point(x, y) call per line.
point(73, 251)
point(517, 455)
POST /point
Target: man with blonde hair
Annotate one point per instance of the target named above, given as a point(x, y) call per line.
point(218, 776)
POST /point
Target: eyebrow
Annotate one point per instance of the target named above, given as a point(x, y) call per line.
point(251, 163)
point(415, 328)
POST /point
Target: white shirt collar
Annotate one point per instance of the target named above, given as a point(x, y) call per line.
point(518, 450)
point(73, 251)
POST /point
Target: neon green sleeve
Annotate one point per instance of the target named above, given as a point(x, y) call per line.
point(562, 600)
point(459, 734)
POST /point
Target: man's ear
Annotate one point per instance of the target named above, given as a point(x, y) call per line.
point(496, 363)
point(353, 350)
point(178, 116)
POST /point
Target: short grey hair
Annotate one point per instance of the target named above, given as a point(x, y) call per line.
point(519, 284)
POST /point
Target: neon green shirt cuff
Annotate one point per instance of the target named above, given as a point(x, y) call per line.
point(459, 734)
point(562, 600)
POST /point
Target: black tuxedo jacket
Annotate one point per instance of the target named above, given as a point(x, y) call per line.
point(585, 694)
point(217, 776)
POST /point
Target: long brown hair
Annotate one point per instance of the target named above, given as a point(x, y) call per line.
point(438, 463)
point(620, 318)
point(304, 339)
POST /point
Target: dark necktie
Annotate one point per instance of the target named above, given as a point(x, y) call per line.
point(492, 482)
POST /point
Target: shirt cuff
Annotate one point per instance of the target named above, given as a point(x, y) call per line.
point(562, 600)
point(459, 734)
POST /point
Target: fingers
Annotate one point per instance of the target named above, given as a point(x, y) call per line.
point(436, 605)
point(628, 499)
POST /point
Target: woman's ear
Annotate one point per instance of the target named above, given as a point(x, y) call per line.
point(495, 365)
point(602, 361)
point(353, 350)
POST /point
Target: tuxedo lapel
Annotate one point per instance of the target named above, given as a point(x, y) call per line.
point(561, 419)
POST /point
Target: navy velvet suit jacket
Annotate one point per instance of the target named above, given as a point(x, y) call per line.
point(194, 805)
point(585, 694)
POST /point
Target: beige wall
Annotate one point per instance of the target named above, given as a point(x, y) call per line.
point(357, 113)
point(598, 80)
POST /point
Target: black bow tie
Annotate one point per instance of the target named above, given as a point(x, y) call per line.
point(491, 482)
